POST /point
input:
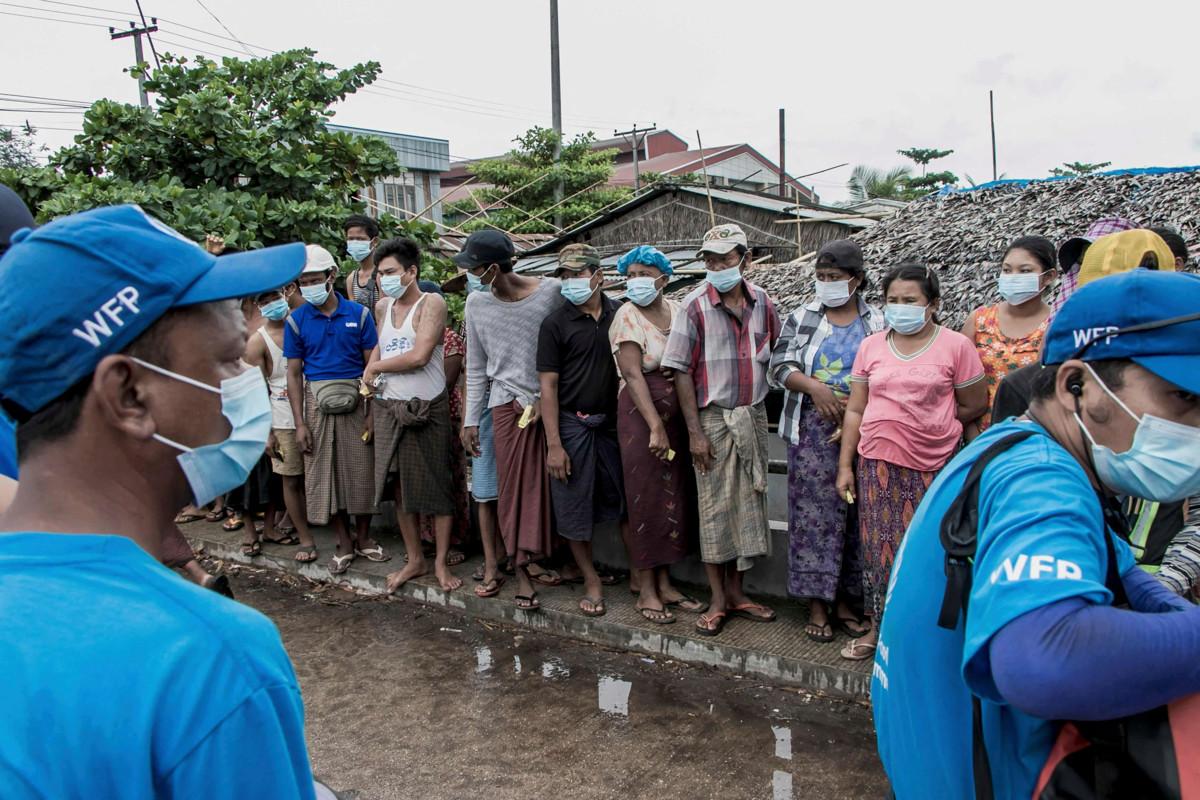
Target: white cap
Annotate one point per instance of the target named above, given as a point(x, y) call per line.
point(318, 259)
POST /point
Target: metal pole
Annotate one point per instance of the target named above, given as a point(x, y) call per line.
point(992, 111)
point(782, 148)
point(637, 175)
point(556, 104)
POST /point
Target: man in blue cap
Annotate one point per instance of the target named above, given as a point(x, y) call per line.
point(118, 679)
point(1114, 413)
point(14, 215)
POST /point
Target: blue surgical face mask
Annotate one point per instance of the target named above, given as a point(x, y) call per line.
point(317, 295)
point(475, 284)
point(393, 285)
point(1020, 287)
point(358, 249)
point(275, 310)
point(723, 279)
point(1162, 464)
point(577, 290)
point(214, 469)
point(904, 318)
point(641, 291)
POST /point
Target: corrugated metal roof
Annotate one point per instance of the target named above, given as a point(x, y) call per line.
point(414, 152)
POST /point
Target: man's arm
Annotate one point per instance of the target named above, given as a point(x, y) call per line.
point(256, 355)
point(558, 464)
point(431, 328)
point(295, 381)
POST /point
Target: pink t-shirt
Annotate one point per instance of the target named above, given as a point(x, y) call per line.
point(910, 416)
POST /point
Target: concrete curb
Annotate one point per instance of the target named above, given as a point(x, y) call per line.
point(800, 673)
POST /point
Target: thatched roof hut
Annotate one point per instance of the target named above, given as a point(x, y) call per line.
point(963, 235)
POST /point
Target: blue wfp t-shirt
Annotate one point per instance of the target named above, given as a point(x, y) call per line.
point(331, 347)
point(119, 679)
point(1039, 541)
point(8, 448)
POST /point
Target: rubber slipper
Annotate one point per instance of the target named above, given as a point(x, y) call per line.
point(720, 618)
point(339, 564)
point(528, 602)
point(649, 615)
point(252, 550)
point(489, 589)
point(216, 516)
point(455, 557)
point(309, 550)
point(284, 541)
point(477, 575)
point(744, 611)
point(233, 523)
point(549, 578)
point(683, 603)
point(823, 633)
point(598, 609)
point(374, 553)
point(854, 628)
point(220, 585)
point(184, 519)
point(858, 651)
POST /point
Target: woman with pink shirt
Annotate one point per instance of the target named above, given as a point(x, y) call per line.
point(912, 388)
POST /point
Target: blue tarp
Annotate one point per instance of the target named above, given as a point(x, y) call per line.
point(1026, 181)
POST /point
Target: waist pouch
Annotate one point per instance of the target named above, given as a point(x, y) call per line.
point(339, 396)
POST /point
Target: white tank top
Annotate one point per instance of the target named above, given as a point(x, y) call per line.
point(425, 383)
point(281, 407)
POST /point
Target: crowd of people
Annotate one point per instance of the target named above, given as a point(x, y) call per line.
point(560, 414)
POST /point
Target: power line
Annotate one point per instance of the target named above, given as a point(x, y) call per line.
point(226, 27)
point(38, 111)
point(149, 38)
point(52, 19)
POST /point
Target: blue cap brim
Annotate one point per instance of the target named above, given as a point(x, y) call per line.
point(1181, 370)
point(246, 274)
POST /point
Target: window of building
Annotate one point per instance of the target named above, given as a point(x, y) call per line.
point(400, 192)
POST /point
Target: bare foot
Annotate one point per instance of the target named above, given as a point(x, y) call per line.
point(413, 569)
point(447, 579)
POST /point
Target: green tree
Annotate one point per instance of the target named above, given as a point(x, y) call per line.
point(520, 193)
point(237, 148)
point(1076, 169)
point(18, 147)
point(923, 155)
point(919, 186)
point(867, 183)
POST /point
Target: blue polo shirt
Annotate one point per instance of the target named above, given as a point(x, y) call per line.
point(119, 679)
point(1039, 542)
point(331, 347)
point(8, 448)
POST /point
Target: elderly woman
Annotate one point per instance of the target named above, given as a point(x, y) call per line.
point(660, 489)
point(811, 363)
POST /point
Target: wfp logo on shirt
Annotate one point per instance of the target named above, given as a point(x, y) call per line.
point(1034, 568)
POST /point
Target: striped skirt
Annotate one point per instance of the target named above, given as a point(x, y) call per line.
point(888, 496)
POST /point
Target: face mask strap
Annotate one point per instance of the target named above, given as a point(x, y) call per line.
point(171, 443)
point(175, 375)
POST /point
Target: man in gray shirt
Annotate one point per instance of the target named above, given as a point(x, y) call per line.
point(504, 314)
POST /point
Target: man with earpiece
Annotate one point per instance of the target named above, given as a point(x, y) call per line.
point(1001, 614)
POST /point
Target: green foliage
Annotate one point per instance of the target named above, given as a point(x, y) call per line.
point(237, 148)
point(915, 187)
point(923, 155)
point(523, 183)
point(18, 147)
point(1076, 169)
point(868, 182)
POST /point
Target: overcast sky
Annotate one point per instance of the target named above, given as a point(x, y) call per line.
point(1073, 80)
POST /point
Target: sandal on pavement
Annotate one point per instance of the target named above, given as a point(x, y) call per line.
point(219, 584)
point(233, 523)
point(250, 550)
point(858, 650)
point(686, 603)
point(184, 519)
point(819, 633)
point(528, 602)
point(712, 623)
point(455, 557)
point(286, 541)
point(659, 616)
point(597, 609)
point(489, 589)
point(216, 516)
point(548, 578)
point(373, 553)
point(339, 564)
point(306, 554)
point(477, 575)
point(753, 612)
point(853, 627)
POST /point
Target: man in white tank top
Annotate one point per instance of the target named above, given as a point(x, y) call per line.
point(414, 459)
point(264, 350)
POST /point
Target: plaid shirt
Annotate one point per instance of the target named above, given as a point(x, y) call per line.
point(726, 352)
point(803, 333)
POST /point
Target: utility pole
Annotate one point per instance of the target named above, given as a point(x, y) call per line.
point(637, 146)
point(137, 34)
point(556, 106)
point(992, 111)
point(782, 148)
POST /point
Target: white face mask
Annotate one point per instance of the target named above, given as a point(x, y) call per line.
point(833, 294)
point(1021, 287)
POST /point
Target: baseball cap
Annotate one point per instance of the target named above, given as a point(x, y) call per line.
point(14, 215)
point(1121, 252)
point(722, 239)
point(1072, 249)
point(578, 257)
point(485, 247)
point(841, 253)
point(1149, 317)
point(118, 270)
point(318, 259)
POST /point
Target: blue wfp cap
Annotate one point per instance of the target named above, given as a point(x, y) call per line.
point(1147, 316)
point(86, 286)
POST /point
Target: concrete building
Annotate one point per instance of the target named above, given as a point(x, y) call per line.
point(416, 190)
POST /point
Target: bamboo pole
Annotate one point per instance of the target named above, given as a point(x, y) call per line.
point(712, 217)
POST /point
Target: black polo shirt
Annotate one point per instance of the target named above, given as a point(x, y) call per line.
point(576, 346)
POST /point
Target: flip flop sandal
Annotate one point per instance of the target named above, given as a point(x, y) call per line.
point(252, 550)
point(854, 628)
point(309, 550)
point(549, 578)
point(598, 609)
point(697, 606)
point(820, 634)
point(528, 602)
point(373, 554)
point(489, 589)
point(609, 579)
point(216, 516)
point(339, 564)
point(220, 585)
point(184, 519)
point(720, 618)
point(662, 617)
point(858, 651)
point(477, 575)
point(744, 611)
point(233, 523)
point(284, 541)
point(455, 557)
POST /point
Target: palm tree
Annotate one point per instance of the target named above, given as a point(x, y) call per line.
point(870, 182)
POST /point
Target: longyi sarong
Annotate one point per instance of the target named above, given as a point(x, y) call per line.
point(339, 472)
point(732, 495)
point(413, 449)
point(592, 493)
point(888, 496)
point(523, 506)
point(660, 495)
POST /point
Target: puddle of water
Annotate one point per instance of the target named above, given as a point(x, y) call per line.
point(613, 695)
point(555, 668)
point(783, 742)
point(483, 659)
point(781, 785)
